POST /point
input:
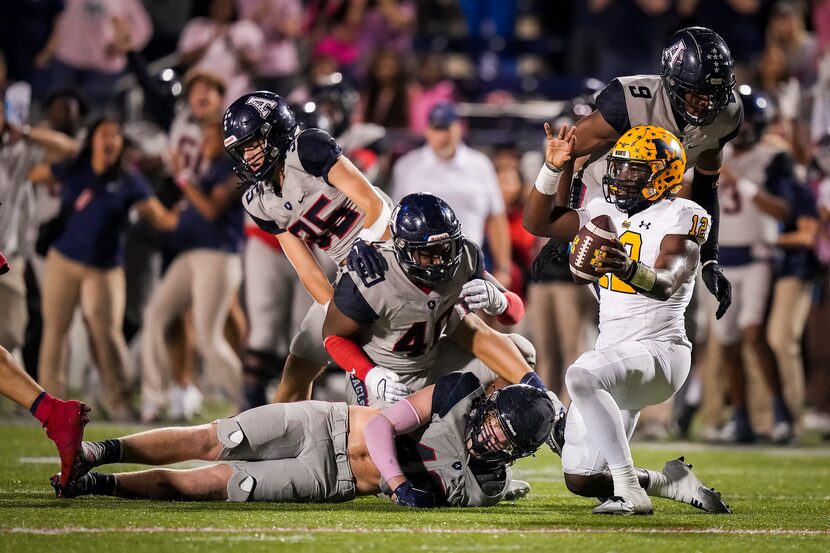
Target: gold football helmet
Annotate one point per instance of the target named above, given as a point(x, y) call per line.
point(645, 165)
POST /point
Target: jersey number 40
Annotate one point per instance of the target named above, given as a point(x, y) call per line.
point(414, 341)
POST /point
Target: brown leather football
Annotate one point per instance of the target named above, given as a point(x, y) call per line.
point(585, 248)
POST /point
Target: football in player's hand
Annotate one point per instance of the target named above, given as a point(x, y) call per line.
point(585, 252)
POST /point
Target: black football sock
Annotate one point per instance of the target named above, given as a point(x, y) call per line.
point(103, 453)
point(97, 483)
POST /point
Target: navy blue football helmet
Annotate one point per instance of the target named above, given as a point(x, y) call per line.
point(697, 71)
point(260, 122)
point(337, 100)
point(758, 114)
point(424, 227)
point(525, 415)
point(308, 116)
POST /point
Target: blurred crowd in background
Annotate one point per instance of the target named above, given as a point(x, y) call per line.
point(113, 109)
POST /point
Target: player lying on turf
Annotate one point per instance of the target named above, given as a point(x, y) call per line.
point(448, 444)
point(642, 355)
point(63, 420)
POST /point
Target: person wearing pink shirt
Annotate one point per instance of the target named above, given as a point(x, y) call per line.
point(83, 46)
point(281, 22)
point(224, 45)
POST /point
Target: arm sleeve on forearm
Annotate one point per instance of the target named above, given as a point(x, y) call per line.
point(380, 433)
point(705, 194)
point(349, 356)
point(515, 309)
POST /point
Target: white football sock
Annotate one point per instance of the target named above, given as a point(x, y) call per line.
point(625, 481)
point(659, 485)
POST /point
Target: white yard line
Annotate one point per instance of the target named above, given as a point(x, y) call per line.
point(398, 530)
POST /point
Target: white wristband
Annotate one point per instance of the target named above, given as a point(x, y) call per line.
point(548, 180)
point(376, 230)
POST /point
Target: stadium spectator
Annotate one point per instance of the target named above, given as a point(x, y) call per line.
point(223, 44)
point(21, 149)
point(739, 22)
point(25, 29)
point(84, 263)
point(332, 26)
point(281, 24)
point(169, 18)
point(65, 110)
point(755, 198)
point(206, 274)
point(820, 17)
point(431, 87)
point(793, 292)
point(385, 24)
point(86, 53)
point(385, 97)
point(522, 243)
point(4, 76)
point(182, 120)
point(787, 31)
point(465, 179)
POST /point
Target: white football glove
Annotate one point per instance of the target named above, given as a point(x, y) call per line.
point(385, 385)
point(558, 407)
point(483, 294)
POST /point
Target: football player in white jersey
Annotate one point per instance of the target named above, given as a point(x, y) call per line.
point(693, 99)
point(755, 191)
point(642, 355)
point(302, 189)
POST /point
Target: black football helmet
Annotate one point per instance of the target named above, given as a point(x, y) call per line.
point(308, 116)
point(424, 225)
point(758, 114)
point(525, 415)
point(697, 63)
point(337, 100)
point(263, 123)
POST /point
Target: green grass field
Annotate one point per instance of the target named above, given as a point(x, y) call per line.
point(780, 498)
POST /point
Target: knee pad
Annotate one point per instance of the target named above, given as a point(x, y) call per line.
point(525, 347)
point(241, 485)
point(230, 434)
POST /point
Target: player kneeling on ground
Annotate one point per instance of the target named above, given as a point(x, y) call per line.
point(644, 277)
point(448, 444)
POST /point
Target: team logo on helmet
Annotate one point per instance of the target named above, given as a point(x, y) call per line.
point(262, 105)
point(674, 53)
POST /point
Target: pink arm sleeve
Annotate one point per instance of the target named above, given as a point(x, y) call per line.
point(380, 435)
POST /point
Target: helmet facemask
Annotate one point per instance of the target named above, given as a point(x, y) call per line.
point(699, 106)
point(256, 158)
point(624, 182)
point(433, 262)
point(487, 440)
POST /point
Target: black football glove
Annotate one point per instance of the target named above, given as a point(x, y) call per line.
point(554, 251)
point(366, 260)
point(720, 287)
point(408, 496)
